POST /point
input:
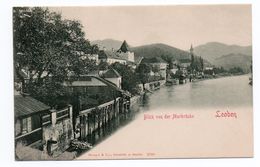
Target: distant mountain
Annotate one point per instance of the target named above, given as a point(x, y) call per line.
point(147, 51)
point(213, 50)
point(108, 44)
point(159, 49)
point(234, 60)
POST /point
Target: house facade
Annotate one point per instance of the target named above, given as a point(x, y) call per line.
point(157, 63)
point(123, 55)
point(38, 126)
point(111, 57)
point(28, 115)
point(93, 89)
point(113, 76)
point(125, 52)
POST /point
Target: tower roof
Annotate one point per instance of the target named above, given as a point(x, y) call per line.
point(191, 48)
point(124, 47)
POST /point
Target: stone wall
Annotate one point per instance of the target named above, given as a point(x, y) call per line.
point(152, 85)
point(58, 135)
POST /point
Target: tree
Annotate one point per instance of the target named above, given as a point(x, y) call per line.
point(169, 60)
point(178, 74)
point(217, 70)
point(46, 45)
point(236, 70)
point(155, 69)
point(143, 71)
point(103, 65)
point(129, 78)
point(192, 64)
point(201, 64)
point(49, 48)
point(94, 49)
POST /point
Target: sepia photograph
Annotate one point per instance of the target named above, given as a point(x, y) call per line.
point(132, 82)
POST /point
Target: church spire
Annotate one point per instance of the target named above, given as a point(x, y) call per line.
point(191, 49)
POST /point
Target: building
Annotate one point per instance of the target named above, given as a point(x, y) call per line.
point(125, 52)
point(110, 57)
point(93, 57)
point(184, 63)
point(38, 126)
point(123, 55)
point(113, 76)
point(157, 63)
point(174, 69)
point(209, 70)
point(28, 112)
point(94, 89)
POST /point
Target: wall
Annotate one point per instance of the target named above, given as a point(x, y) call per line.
point(150, 86)
point(92, 82)
point(111, 61)
point(93, 119)
point(116, 81)
point(60, 130)
point(127, 56)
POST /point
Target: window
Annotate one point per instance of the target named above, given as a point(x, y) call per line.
point(18, 127)
point(26, 125)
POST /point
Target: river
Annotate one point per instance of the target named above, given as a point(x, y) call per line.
point(209, 118)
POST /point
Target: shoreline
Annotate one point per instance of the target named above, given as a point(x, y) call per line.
point(135, 99)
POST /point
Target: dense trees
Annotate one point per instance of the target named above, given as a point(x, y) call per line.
point(129, 77)
point(46, 45)
point(236, 70)
point(143, 71)
point(197, 64)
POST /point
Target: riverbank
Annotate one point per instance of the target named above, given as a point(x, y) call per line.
point(217, 76)
point(105, 130)
point(201, 133)
point(165, 110)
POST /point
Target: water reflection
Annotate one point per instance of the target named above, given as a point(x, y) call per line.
point(222, 92)
point(112, 126)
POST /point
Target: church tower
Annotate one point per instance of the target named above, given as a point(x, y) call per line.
point(191, 58)
point(191, 50)
point(125, 52)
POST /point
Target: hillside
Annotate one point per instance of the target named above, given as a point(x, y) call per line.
point(213, 50)
point(234, 60)
point(147, 51)
point(108, 44)
point(159, 49)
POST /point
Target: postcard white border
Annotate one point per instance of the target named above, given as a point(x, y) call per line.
point(6, 102)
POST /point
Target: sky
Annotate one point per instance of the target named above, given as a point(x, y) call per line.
point(178, 26)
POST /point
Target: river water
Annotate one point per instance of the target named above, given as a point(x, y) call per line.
point(222, 92)
point(153, 132)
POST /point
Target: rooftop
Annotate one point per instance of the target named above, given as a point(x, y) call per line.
point(104, 54)
point(111, 73)
point(26, 105)
point(124, 47)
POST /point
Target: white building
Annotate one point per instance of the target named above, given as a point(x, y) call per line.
point(157, 62)
point(123, 55)
point(110, 57)
point(125, 52)
point(113, 76)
